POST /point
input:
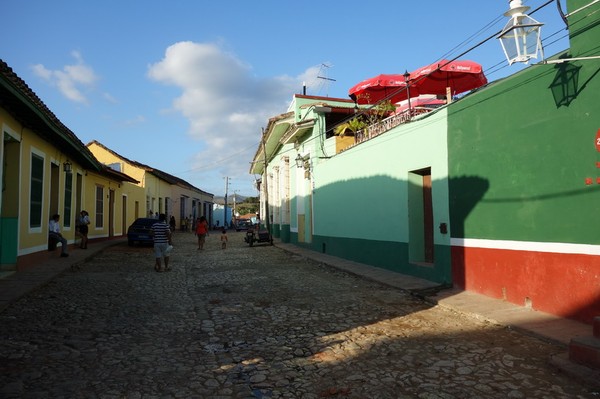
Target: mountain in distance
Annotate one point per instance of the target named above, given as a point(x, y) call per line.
point(221, 200)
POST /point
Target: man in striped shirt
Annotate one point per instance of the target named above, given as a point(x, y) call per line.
point(162, 239)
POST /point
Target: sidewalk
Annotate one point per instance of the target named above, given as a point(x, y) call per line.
point(14, 285)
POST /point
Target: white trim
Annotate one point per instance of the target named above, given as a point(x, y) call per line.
point(529, 246)
point(11, 132)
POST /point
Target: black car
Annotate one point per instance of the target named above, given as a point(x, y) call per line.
point(243, 224)
point(141, 231)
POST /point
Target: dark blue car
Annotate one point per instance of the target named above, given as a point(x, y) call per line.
point(140, 231)
point(243, 224)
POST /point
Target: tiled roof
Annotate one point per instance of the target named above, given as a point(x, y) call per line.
point(26, 107)
point(169, 178)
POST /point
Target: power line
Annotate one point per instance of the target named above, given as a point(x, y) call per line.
point(493, 69)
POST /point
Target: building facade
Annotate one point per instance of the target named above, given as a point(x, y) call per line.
point(496, 193)
point(164, 193)
point(47, 170)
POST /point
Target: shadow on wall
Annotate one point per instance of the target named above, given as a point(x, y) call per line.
point(401, 225)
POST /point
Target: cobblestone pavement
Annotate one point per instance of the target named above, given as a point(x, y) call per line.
point(255, 323)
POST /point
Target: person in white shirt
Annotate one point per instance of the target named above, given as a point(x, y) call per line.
point(82, 227)
point(54, 233)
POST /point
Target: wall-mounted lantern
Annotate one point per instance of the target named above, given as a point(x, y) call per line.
point(67, 167)
point(303, 162)
point(299, 161)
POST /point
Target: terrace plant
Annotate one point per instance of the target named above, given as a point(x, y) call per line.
point(353, 126)
point(364, 120)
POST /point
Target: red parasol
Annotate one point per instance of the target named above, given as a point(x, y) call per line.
point(459, 76)
point(375, 89)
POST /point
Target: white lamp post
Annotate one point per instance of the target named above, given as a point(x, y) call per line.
point(520, 37)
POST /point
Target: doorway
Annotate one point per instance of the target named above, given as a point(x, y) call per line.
point(111, 213)
point(9, 202)
point(420, 217)
point(124, 219)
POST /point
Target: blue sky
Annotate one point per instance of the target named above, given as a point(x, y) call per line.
point(186, 86)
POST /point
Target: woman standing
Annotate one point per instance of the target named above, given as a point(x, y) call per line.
point(201, 232)
point(82, 225)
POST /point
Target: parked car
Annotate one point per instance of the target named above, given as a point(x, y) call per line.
point(243, 224)
point(140, 231)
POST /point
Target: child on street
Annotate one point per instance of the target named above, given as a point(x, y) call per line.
point(223, 239)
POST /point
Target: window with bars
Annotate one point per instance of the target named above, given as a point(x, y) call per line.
point(68, 199)
point(37, 191)
point(99, 206)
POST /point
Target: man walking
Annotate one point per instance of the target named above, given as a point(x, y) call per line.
point(162, 240)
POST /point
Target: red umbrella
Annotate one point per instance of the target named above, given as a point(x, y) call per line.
point(372, 90)
point(459, 76)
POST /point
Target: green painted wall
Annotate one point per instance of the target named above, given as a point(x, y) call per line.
point(584, 29)
point(9, 244)
point(389, 255)
point(520, 154)
point(361, 201)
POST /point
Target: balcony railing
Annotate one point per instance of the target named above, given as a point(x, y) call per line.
point(388, 123)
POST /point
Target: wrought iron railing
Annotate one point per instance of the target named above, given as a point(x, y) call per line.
point(387, 124)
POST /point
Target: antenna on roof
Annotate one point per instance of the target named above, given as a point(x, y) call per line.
point(323, 76)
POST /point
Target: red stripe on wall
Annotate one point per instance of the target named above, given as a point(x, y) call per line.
point(566, 285)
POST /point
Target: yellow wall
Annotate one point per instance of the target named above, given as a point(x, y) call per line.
point(117, 210)
point(33, 239)
point(16, 159)
point(106, 157)
point(157, 191)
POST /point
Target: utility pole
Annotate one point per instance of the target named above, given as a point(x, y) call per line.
point(234, 200)
point(266, 185)
point(225, 206)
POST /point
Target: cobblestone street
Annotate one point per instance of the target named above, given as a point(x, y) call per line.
point(255, 322)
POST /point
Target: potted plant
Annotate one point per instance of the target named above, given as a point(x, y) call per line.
point(346, 133)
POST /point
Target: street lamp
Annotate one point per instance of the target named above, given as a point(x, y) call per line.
point(520, 37)
point(299, 161)
point(406, 80)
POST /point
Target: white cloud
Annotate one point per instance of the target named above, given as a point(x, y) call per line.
point(137, 120)
point(71, 80)
point(108, 97)
point(225, 103)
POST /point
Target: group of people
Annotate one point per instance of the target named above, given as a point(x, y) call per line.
point(184, 225)
point(163, 244)
point(81, 231)
point(162, 235)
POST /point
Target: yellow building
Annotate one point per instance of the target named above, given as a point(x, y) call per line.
point(47, 170)
point(164, 192)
